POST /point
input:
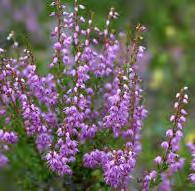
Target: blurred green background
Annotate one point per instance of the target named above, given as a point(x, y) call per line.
point(169, 65)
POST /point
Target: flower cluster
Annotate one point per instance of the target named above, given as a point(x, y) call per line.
point(6, 139)
point(124, 117)
point(116, 165)
point(90, 89)
point(171, 162)
point(74, 31)
point(192, 150)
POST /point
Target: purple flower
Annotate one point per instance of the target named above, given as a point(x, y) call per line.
point(3, 160)
point(191, 147)
point(171, 147)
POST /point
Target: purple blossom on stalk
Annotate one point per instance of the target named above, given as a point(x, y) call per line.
point(124, 116)
point(94, 159)
point(78, 120)
point(171, 146)
point(43, 141)
point(116, 165)
point(58, 160)
point(8, 137)
point(55, 162)
point(191, 147)
point(118, 107)
point(6, 140)
point(165, 184)
point(32, 115)
point(43, 88)
point(7, 97)
point(3, 160)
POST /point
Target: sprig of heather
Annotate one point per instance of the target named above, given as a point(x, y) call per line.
point(16, 88)
point(79, 115)
point(43, 88)
point(171, 161)
point(8, 136)
point(125, 116)
point(191, 147)
point(71, 33)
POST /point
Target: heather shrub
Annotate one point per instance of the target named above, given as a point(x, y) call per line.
point(83, 120)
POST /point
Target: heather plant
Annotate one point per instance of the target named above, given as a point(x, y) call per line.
point(88, 111)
